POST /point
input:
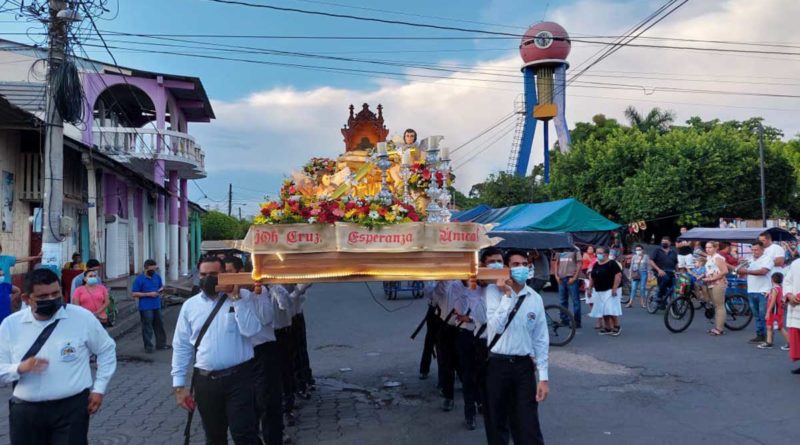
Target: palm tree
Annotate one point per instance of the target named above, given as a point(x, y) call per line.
point(656, 118)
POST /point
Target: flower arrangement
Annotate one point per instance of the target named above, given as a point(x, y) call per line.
point(293, 208)
point(420, 178)
point(318, 167)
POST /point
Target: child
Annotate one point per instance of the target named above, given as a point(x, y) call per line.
point(775, 302)
point(8, 294)
point(699, 286)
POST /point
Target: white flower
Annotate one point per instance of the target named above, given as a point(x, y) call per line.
point(312, 220)
point(295, 198)
point(401, 209)
point(374, 215)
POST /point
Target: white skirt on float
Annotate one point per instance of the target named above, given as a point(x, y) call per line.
point(605, 304)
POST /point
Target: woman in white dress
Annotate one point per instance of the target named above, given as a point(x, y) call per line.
point(605, 279)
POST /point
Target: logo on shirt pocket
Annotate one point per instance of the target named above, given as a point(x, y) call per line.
point(531, 316)
point(68, 352)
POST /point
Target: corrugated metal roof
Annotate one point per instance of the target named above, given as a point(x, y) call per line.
point(29, 96)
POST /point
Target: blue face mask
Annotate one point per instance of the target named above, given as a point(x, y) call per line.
point(93, 280)
point(519, 274)
point(495, 265)
point(3, 279)
point(601, 256)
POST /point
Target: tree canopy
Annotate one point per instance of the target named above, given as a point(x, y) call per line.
point(689, 174)
point(219, 226)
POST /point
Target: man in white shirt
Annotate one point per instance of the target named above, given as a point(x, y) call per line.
point(52, 400)
point(518, 348)
point(774, 252)
point(269, 386)
point(758, 287)
point(223, 377)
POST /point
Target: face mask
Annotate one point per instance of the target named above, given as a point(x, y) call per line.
point(2, 279)
point(665, 245)
point(519, 274)
point(638, 251)
point(47, 308)
point(150, 273)
point(601, 256)
point(209, 285)
point(93, 280)
point(495, 265)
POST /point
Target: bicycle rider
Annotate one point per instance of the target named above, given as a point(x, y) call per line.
point(664, 262)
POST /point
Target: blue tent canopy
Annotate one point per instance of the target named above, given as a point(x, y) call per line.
point(566, 215)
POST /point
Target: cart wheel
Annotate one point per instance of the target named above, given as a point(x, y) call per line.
point(387, 289)
point(417, 289)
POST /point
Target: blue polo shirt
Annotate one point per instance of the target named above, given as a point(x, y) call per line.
point(143, 283)
point(5, 300)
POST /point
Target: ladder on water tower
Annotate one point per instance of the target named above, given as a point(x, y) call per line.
point(513, 157)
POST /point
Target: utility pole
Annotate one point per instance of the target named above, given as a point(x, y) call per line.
point(763, 188)
point(240, 213)
point(230, 198)
point(53, 198)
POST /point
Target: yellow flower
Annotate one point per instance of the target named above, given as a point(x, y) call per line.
point(390, 216)
point(350, 213)
point(275, 214)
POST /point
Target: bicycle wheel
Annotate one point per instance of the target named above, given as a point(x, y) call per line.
point(417, 289)
point(652, 300)
point(679, 314)
point(737, 312)
point(560, 324)
point(625, 297)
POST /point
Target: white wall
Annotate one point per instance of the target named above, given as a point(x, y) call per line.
point(15, 242)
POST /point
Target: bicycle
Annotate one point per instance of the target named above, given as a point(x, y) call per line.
point(680, 312)
point(561, 332)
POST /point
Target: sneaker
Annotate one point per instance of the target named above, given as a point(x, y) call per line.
point(765, 345)
point(603, 332)
point(785, 348)
point(615, 332)
point(757, 340)
point(795, 371)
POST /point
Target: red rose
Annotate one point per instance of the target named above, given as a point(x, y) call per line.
point(426, 175)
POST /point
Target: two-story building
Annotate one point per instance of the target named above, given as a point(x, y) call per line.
point(126, 166)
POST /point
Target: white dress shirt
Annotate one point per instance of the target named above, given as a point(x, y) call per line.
point(466, 304)
point(446, 294)
point(760, 283)
point(77, 336)
point(477, 308)
point(282, 306)
point(226, 342)
point(263, 307)
point(527, 334)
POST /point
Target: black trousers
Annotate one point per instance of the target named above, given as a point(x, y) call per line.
point(228, 402)
point(447, 358)
point(465, 346)
point(56, 422)
point(152, 327)
point(269, 392)
point(302, 365)
point(432, 323)
point(511, 392)
point(286, 353)
point(481, 363)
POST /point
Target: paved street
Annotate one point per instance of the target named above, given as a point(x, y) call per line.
point(646, 386)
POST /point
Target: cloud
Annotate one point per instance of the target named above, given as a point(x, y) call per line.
point(274, 131)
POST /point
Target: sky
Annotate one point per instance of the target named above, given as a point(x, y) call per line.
point(272, 118)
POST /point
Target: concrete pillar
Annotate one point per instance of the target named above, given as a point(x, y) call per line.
point(133, 239)
point(183, 266)
point(161, 228)
point(91, 183)
point(173, 226)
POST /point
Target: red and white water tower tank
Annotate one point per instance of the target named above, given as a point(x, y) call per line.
point(545, 43)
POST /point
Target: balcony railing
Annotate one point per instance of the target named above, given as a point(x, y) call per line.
point(144, 142)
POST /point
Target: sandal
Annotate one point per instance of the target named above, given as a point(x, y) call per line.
point(714, 332)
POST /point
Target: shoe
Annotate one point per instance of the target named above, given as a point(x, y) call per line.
point(615, 332)
point(765, 346)
point(603, 332)
point(304, 395)
point(795, 371)
point(785, 348)
point(164, 348)
point(447, 405)
point(287, 439)
point(423, 376)
point(757, 340)
point(470, 422)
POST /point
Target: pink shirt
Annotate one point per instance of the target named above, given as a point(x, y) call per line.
point(92, 298)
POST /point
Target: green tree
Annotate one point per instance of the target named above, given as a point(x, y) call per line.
point(657, 119)
point(505, 189)
point(219, 226)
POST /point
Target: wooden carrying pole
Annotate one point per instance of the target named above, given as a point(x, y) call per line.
point(243, 279)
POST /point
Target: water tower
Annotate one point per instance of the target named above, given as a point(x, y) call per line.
point(544, 50)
